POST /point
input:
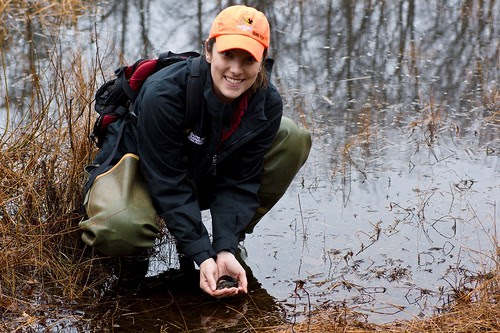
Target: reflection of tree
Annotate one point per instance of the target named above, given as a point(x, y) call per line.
point(149, 27)
point(402, 47)
point(406, 40)
point(21, 65)
point(142, 10)
point(124, 19)
point(348, 9)
point(398, 48)
point(380, 31)
point(300, 42)
point(200, 21)
point(143, 6)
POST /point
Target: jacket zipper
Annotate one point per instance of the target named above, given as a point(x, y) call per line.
point(214, 164)
point(215, 156)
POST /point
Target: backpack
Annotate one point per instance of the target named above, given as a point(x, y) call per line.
point(116, 97)
point(114, 100)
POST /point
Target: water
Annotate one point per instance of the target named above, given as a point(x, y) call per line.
point(396, 205)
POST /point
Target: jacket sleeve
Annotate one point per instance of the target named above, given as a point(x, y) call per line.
point(235, 200)
point(160, 148)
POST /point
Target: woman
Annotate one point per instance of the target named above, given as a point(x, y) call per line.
point(236, 159)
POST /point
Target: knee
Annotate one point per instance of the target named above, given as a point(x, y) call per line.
point(117, 237)
point(292, 143)
point(286, 156)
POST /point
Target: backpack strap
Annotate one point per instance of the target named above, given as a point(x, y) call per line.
point(120, 73)
point(104, 165)
point(194, 93)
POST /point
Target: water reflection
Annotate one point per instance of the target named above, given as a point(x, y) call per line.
point(173, 301)
point(332, 56)
point(402, 100)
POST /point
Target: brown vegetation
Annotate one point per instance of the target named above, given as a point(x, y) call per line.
point(43, 151)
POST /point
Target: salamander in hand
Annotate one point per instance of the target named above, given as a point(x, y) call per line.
point(226, 281)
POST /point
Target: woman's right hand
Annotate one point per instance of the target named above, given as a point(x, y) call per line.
point(208, 280)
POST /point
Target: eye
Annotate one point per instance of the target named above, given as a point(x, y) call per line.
point(250, 60)
point(228, 54)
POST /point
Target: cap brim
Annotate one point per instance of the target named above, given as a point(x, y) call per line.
point(228, 42)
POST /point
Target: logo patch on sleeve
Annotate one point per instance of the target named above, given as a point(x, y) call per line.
point(196, 139)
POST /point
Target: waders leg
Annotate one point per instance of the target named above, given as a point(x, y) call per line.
point(284, 159)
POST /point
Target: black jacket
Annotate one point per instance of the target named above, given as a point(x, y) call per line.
point(186, 168)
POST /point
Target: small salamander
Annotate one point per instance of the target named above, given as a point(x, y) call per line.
point(226, 281)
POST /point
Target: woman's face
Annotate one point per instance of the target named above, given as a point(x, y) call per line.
point(233, 72)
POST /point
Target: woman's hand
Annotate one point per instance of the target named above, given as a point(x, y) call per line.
point(228, 265)
point(208, 280)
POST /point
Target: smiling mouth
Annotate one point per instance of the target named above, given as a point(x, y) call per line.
point(232, 81)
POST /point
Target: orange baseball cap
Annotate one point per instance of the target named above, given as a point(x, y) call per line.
point(241, 27)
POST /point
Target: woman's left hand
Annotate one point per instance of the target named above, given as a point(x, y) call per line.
point(228, 265)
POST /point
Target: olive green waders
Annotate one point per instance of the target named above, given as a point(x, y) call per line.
point(121, 217)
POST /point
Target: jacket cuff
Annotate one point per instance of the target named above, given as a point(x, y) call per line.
point(199, 250)
point(199, 258)
point(226, 244)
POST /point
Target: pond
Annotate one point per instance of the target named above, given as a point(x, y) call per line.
point(395, 208)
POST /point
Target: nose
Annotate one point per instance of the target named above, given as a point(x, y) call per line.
point(236, 67)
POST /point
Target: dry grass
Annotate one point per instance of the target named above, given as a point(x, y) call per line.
point(41, 169)
point(41, 165)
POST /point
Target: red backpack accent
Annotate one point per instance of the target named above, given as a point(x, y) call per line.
point(143, 70)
